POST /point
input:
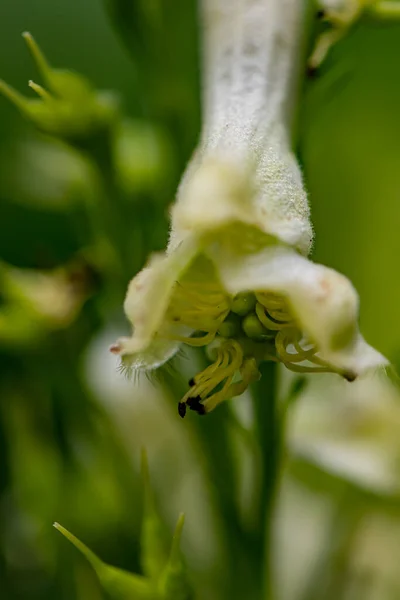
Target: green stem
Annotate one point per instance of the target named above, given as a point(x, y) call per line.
point(214, 439)
point(332, 573)
point(111, 205)
point(269, 434)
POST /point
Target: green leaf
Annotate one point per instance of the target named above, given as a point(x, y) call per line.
point(118, 584)
point(154, 540)
point(174, 583)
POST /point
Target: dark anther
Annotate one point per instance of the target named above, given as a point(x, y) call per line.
point(321, 14)
point(191, 381)
point(311, 71)
point(349, 376)
point(194, 402)
point(182, 409)
point(196, 405)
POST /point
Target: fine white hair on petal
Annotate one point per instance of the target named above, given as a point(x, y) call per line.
point(146, 303)
point(158, 352)
point(258, 184)
point(324, 302)
point(244, 169)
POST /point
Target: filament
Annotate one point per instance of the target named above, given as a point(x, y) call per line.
point(196, 342)
point(270, 322)
point(229, 360)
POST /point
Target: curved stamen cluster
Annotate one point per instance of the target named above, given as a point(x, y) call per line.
point(274, 315)
point(248, 329)
point(216, 383)
point(200, 307)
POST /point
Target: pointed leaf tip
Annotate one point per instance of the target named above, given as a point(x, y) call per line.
point(39, 90)
point(174, 582)
point(89, 555)
point(37, 55)
point(175, 555)
point(118, 584)
point(13, 96)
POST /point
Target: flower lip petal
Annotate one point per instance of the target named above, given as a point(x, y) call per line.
point(150, 291)
point(155, 354)
point(323, 302)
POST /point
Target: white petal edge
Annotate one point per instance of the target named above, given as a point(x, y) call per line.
point(158, 352)
point(324, 302)
point(146, 302)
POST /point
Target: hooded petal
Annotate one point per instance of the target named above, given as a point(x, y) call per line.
point(255, 186)
point(323, 302)
point(244, 170)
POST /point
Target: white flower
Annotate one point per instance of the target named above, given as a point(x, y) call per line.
point(235, 274)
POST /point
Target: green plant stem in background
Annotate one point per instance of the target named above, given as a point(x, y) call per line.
point(333, 575)
point(162, 41)
point(213, 435)
point(111, 205)
point(268, 433)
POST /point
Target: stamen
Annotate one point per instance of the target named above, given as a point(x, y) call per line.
point(213, 401)
point(228, 361)
point(196, 342)
point(201, 296)
point(249, 373)
point(206, 384)
point(292, 337)
point(272, 302)
point(182, 409)
point(274, 314)
point(208, 372)
point(196, 405)
point(279, 315)
point(306, 369)
point(201, 308)
point(269, 322)
point(198, 322)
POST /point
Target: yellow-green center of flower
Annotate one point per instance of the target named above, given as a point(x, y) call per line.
point(240, 332)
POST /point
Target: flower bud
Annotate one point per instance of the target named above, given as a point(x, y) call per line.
point(69, 107)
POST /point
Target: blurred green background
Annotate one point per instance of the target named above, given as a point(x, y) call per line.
point(75, 228)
